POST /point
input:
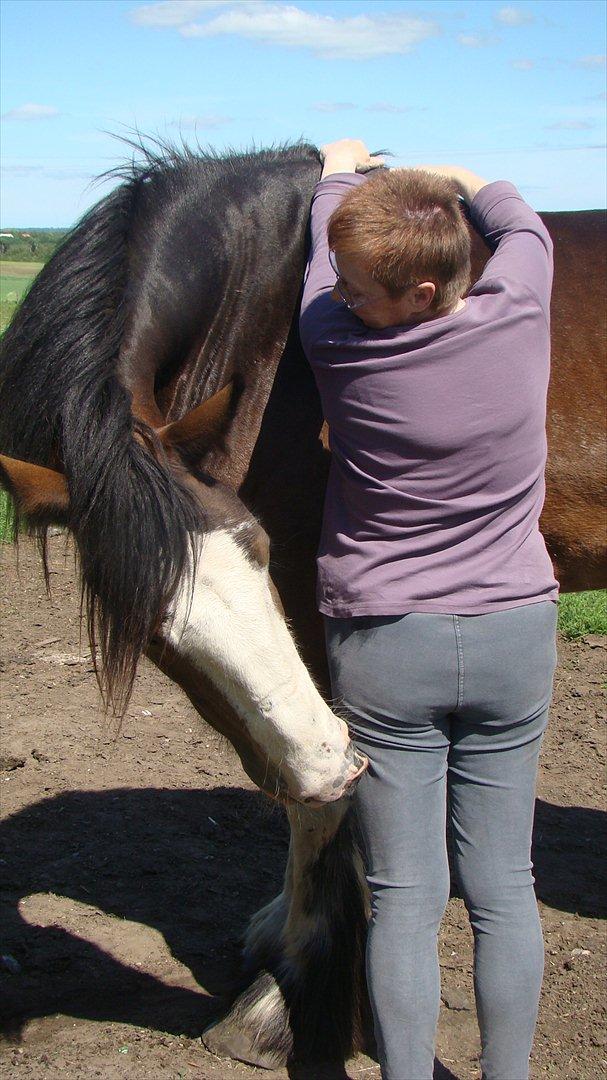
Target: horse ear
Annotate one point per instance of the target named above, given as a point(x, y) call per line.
point(41, 494)
point(196, 432)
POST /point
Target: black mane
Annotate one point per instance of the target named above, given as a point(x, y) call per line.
point(65, 404)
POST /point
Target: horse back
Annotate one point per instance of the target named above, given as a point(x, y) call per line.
point(573, 521)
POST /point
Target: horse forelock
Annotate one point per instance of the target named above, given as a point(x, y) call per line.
point(138, 530)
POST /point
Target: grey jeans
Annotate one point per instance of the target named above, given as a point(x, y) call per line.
point(450, 710)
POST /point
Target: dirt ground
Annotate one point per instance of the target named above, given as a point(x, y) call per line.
point(130, 867)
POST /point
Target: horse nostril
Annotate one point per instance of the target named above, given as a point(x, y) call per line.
point(353, 757)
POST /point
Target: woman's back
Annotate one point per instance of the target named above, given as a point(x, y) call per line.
point(437, 433)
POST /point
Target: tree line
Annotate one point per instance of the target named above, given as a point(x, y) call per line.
point(29, 245)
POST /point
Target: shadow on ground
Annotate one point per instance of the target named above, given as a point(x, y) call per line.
point(193, 865)
point(569, 854)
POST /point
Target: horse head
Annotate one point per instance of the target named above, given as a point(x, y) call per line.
point(220, 632)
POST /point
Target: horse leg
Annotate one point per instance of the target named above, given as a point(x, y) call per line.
point(305, 998)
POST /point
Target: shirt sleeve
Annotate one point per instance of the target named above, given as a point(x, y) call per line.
point(523, 248)
point(319, 276)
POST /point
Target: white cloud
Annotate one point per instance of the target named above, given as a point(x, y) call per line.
point(206, 120)
point(477, 41)
point(386, 107)
point(523, 65)
point(510, 16)
point(584, 146)
point(68, 174)
point(333, 106)
point(21, 170)
point(31, 111)
point(173, 12)
point(591, 61)
point(343, 106)
point(572, 115)
point(355, 37)
point(571, 125)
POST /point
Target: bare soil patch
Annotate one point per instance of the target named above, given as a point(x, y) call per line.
point(131, 864)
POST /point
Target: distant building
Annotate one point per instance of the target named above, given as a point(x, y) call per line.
point(12, 235)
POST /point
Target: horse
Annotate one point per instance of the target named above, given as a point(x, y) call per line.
point(156, 402)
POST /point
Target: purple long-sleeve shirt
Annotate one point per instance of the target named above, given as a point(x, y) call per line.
point(437, 430)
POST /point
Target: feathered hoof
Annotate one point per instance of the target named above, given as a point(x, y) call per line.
point(227, 1041)
point(256, 1030)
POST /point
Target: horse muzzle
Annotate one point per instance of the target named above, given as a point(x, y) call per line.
point(345, 785)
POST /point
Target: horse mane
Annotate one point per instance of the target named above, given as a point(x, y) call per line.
point(153, 156)
point(64, 405)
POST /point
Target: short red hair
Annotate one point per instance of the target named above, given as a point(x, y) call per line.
point(406, 225)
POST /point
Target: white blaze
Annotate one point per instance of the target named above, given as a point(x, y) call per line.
point(226, 622)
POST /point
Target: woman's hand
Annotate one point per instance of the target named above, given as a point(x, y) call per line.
point(346, 155)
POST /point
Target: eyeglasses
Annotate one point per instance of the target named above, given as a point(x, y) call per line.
point(342, 290)
point(344, 294)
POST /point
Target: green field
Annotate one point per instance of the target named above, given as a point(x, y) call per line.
point(19, 269)
point(13, 288)
point(15, 280)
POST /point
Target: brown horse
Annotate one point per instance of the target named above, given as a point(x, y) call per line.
point(181, 288)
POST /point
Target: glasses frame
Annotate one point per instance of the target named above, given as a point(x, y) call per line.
point(341, 289)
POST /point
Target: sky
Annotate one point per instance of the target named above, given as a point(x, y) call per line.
point(511, 90)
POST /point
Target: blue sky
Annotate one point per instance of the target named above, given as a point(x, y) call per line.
point(511, 90)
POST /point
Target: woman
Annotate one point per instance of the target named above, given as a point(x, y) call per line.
point(438, 595)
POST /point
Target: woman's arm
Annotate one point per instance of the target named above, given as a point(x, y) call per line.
point(340, 161)
point(523, 248)
point(468, 183)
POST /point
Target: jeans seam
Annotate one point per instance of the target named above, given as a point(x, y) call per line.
point(460, 663)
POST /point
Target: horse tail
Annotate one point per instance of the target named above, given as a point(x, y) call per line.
point(64, 405)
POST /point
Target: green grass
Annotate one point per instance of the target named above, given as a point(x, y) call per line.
point(19, 269)
point(15, 280)
point(7, 517)
point(7, 308)
point(583, 613)
point(13, 288)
